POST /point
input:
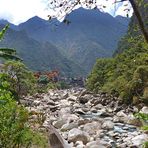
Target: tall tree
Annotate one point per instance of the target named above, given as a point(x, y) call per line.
point(64, 7)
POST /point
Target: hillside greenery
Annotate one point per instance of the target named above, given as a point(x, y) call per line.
point(125, 75)
point(15, 131)
point(14, 125)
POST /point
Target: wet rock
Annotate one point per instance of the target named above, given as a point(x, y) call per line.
point(80, 112)
point(108, 125)
point(78, 135)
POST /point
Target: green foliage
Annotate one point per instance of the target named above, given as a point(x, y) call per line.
point(100, 73)
point(145, 145)
point(14, 125)
point(2, 32)
point(43, 79)
point(143, 117)
point(21, 79)
point(125, 75)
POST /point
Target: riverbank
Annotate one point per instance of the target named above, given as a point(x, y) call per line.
point(86, 120)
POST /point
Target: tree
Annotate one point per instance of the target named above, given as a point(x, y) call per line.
point(21, 79)
point(64, 7)
point(15, 131)
point(7, 53)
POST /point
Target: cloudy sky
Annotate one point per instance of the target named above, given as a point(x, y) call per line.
point(17, 11)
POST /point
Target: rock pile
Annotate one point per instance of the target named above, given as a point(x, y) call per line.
point(87, 120)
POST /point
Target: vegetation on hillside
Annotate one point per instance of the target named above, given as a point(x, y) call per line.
point(125, 75)
point(16, 80)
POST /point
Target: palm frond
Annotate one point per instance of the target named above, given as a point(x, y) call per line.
point(2, 32)
point(10, 57)
point(8, 50)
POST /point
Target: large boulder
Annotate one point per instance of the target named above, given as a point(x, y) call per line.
point(59, 123)
point(122, 116)
point(92, 128)
point(144, 110)
point(78, 135)
point(139, 140)
point(69, 126)
point(108, 125)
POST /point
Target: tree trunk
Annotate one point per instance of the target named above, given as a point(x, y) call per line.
point(139, 18)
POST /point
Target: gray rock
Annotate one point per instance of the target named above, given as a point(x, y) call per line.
point(92, 128)
point(50, 102)
point(139, 140)
point(80, 111)
point(59, 123)
point(83, 99)
point(94, 144)
point(69, 126)
point(78, 135)
point(72, 98)
point(108, 125)
point(144, 110)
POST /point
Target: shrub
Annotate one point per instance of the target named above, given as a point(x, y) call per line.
point(14, 125)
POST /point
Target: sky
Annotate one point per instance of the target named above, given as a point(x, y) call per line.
point(18, 11)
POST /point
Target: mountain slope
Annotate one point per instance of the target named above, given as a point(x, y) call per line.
point(91, 34)
point(39, 56)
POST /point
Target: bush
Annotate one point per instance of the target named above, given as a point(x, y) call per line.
point(14, 125)
point(125, 75)
point(22, 81)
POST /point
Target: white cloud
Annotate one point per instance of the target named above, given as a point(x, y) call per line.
point(17, 11)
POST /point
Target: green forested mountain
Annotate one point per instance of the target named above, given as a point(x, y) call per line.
point(125, 75)
point(39, 56)
point(71, 48)
point(133, 29)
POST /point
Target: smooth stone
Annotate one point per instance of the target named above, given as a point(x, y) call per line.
point(108, 125)
point(94, 144)
point(69, 126)
point(59, 123)
point(78, 135)
point(140, 139)
point(92, 128)
point(144, 110)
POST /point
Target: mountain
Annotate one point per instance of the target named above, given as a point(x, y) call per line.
point(89, 35)
point(39, 56)
point(5, 22)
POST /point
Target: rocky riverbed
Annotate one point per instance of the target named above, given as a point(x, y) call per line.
point(87, 120)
